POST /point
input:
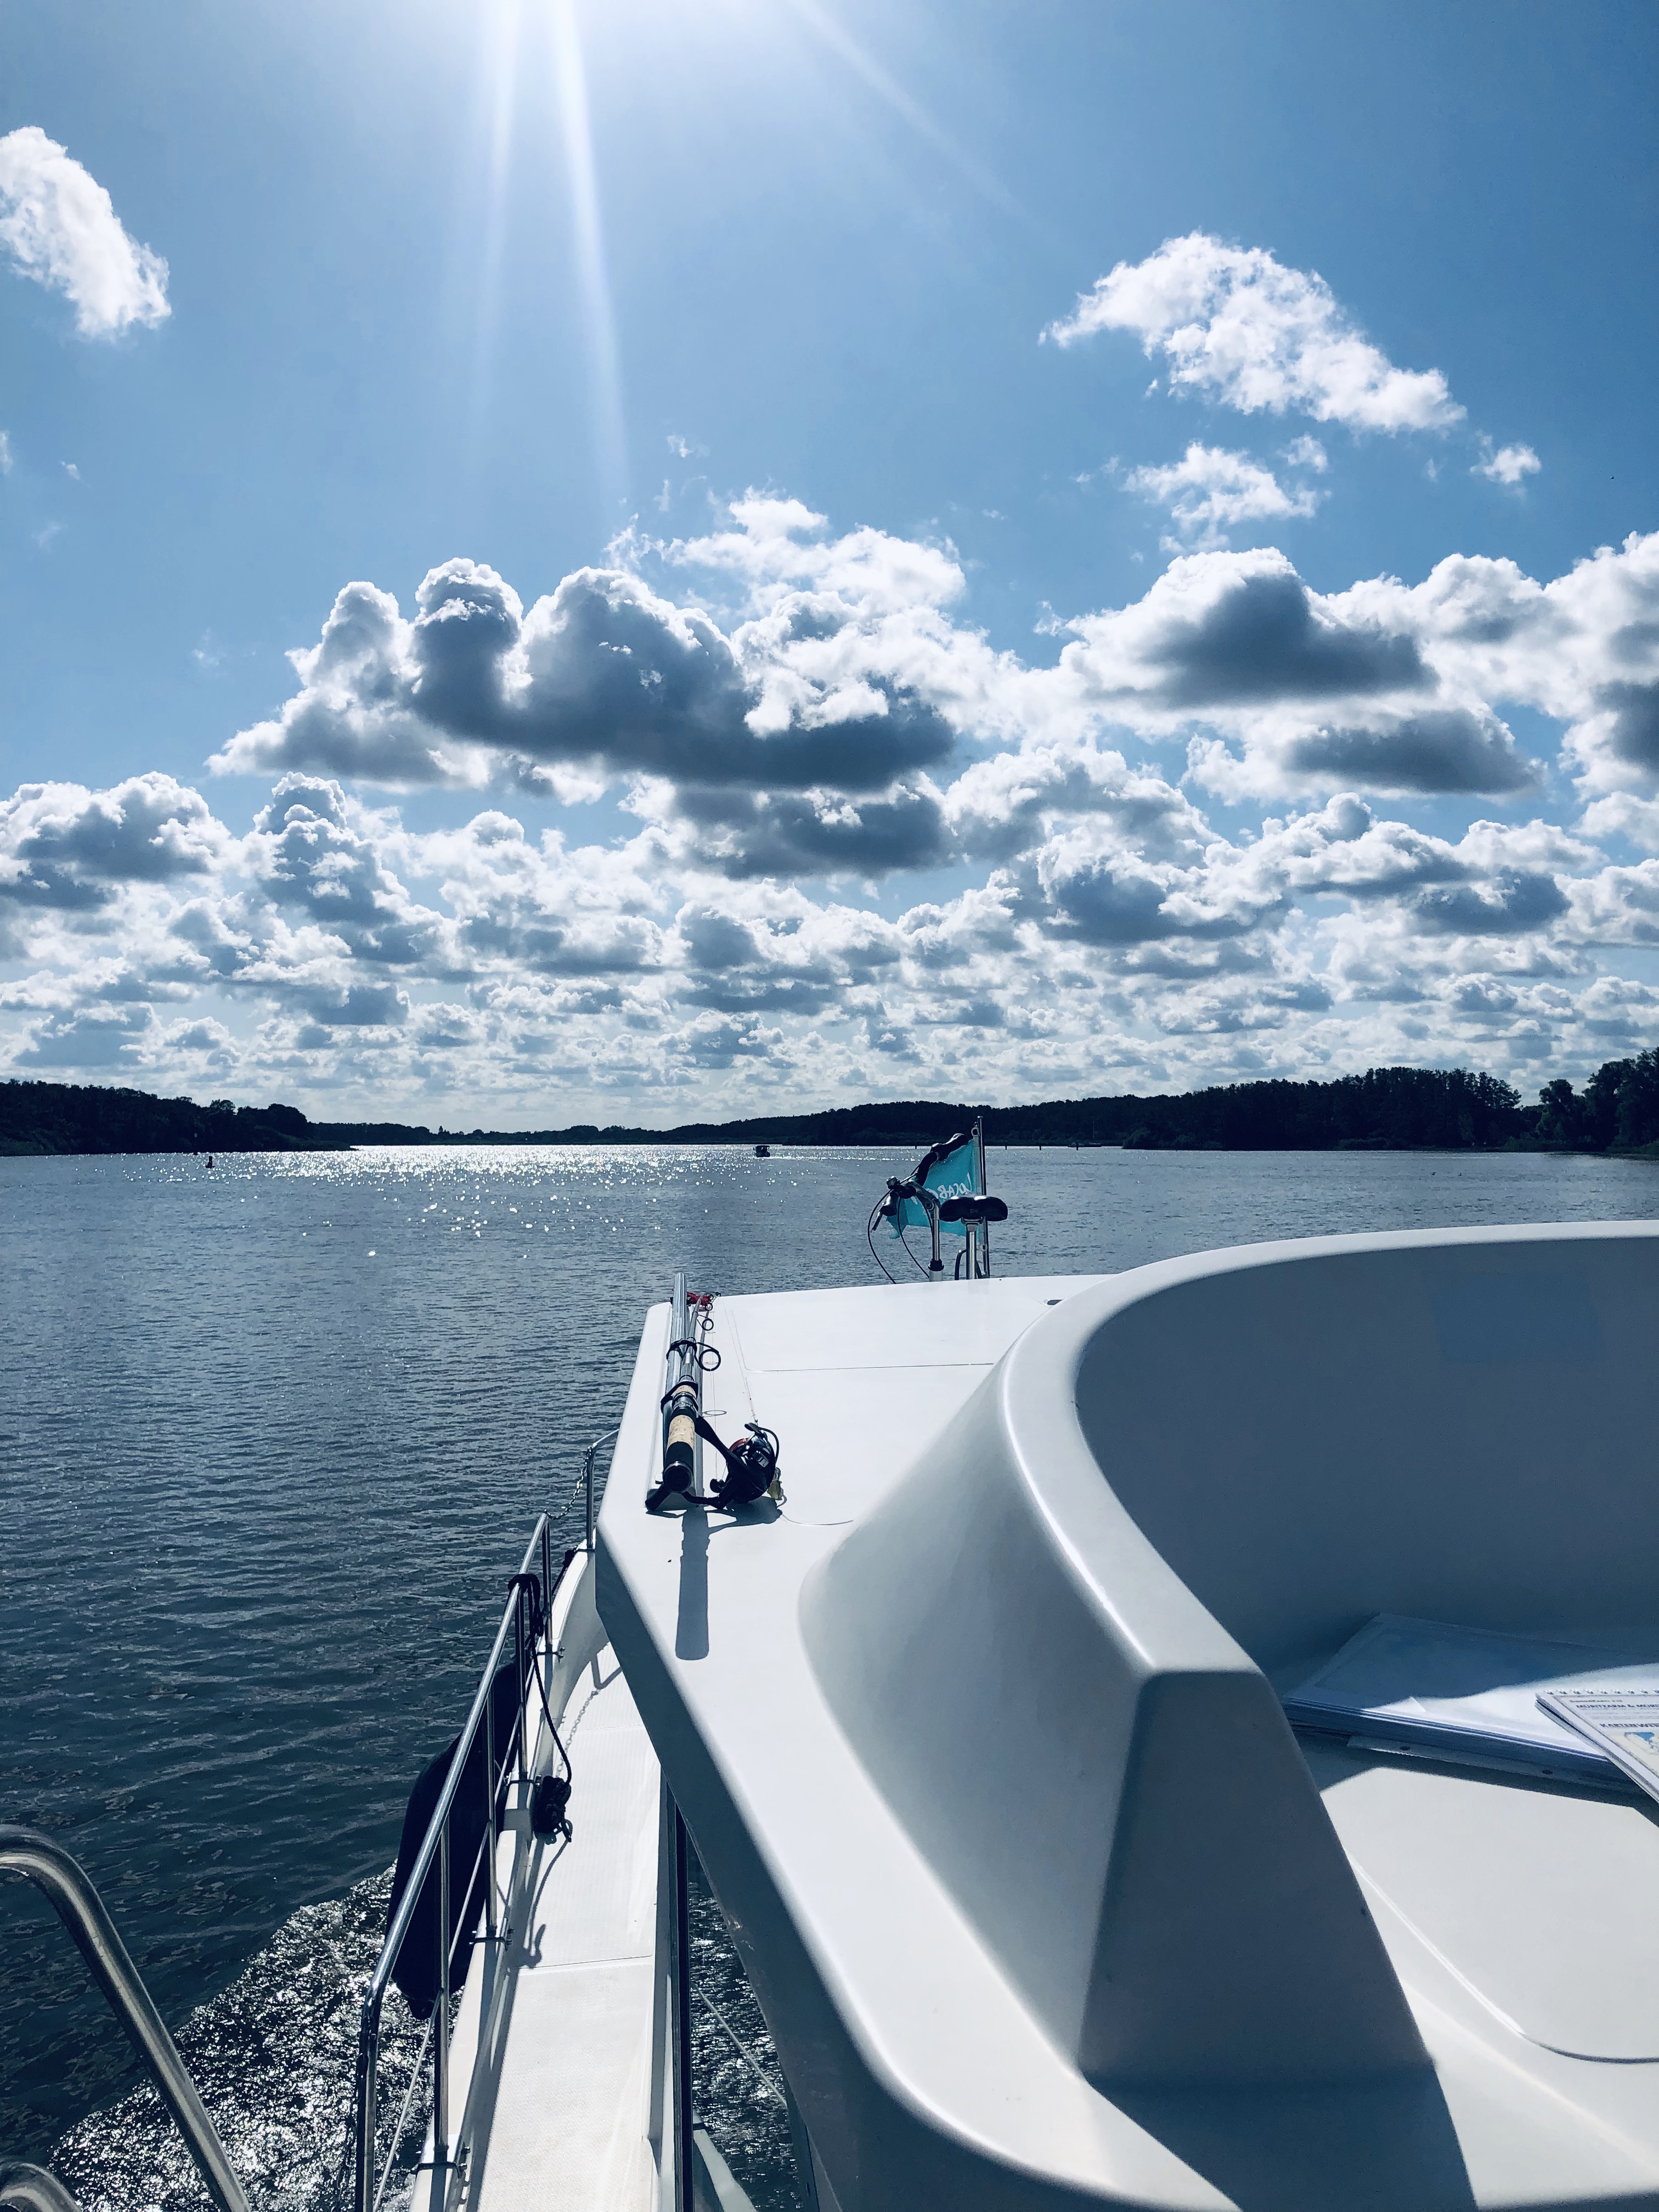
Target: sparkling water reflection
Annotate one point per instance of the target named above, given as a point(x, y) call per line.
point(273, 1437)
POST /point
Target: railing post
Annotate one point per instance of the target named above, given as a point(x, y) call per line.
point(433, 1856)
point(490, 1814)
point(440, 2036)
point(587, 1484)
point(368, 2069)
point(682, 2121)
point(518, 1657)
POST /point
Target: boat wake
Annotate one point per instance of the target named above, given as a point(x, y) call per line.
point(275, 2058)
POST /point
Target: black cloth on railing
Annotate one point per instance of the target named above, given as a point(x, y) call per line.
point(416, 1971)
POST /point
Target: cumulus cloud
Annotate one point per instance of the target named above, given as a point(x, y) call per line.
point(1618, 906)
point(1236, 326)
point(1582, 647)
point(1225, 630)
point(1508, 903)
point(1277, 690)
point(1621, 814)
point(836, 698)
point(1509, 466)
point(1380, 747)
point(792, 718)
point(58, 226)
point(64, 846)
point(1210, 491)
point(1308, 453)
point(1104, 890)
point(602, 673)
point(815, 724)
point(999, 808)
point(313, 861)
point(327, 944)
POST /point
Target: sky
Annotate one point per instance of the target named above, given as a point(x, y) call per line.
point(639, 563)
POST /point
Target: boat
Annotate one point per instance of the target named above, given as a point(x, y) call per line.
point(763, 1151)
point(976, 1638)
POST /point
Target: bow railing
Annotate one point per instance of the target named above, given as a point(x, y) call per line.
point(528, 1606)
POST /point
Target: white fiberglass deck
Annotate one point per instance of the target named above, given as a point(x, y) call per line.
point(561, 2113)
point(980, 1744)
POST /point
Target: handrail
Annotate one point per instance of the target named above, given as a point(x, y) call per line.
point(434, 1845)
point(78, 1905)
point(33, 2188)
point(588, 1457)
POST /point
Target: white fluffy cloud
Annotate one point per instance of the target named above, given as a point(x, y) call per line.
point(840, 699)
point(1583, 648)
point(1509, 466)
point(64, 846)
point(1234, 325)
point(1210, 491)
point(58, 226)
point(790, 717)
point(813, 728)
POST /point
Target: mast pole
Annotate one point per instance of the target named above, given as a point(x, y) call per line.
point(981, 1230)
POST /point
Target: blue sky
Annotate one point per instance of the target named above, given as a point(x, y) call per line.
point(1225, 683)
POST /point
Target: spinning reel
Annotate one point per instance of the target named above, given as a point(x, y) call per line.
point(751, 1466)
point(750, 1463)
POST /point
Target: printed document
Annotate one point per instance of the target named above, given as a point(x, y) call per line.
point(1622, 1723)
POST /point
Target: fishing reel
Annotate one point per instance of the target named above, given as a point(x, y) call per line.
point(751, 1466)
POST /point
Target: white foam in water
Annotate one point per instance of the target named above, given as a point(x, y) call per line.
point(275, 2058)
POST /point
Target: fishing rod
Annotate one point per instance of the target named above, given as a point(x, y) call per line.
point(750, 1463)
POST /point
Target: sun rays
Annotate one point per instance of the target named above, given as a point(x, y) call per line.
point(599, 319)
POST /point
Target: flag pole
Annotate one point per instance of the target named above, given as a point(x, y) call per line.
point(981, 1229)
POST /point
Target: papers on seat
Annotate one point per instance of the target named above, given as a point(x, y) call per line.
point(1622, 1724)
point(1473, 1696)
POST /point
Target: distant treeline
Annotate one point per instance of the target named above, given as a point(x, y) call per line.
point(86, 1117)
point(1394, 1109)
point(1619, 1111)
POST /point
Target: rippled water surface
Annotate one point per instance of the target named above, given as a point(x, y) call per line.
point(273, 1437)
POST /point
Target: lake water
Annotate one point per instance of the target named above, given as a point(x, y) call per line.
point(274, 1436)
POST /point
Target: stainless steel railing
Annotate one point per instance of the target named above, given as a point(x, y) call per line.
point(25, 1851)
point(588, 1458)
point(434, 1849)
point(49, 1866)
point(33, 2188)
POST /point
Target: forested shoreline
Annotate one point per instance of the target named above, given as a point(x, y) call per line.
point(1386, 1108)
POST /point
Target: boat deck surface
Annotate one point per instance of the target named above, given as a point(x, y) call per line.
point(886, 1702)
point(561, 2098)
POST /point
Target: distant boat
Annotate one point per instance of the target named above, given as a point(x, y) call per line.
point(763, 1151)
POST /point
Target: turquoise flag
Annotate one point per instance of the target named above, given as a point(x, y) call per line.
point(954, 1176)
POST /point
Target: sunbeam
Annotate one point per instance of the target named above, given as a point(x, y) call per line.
point(604, 380)
point(841, 43)
point(501, 70)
